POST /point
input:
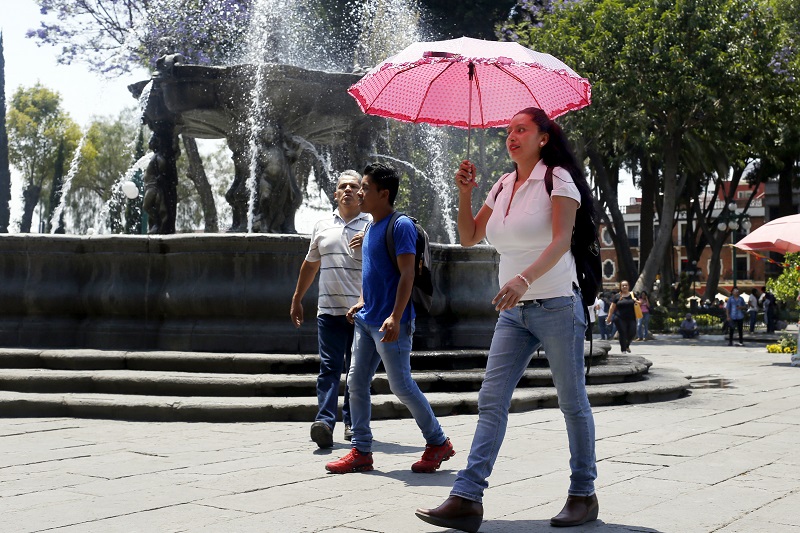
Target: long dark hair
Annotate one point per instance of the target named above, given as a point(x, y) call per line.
point(558, 153)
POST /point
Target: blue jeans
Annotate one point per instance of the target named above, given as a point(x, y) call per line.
point(368, 352)
point(335, 337)
point(642, 324)
point(557, 324)
point(753, 315)
point(605, 329)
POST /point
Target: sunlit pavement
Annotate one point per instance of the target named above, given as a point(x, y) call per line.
point(724, 459)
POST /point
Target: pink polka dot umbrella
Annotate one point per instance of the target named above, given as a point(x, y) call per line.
point(469, 83)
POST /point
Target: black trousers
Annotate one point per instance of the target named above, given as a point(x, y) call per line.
point(738, 324)
point(627, 332)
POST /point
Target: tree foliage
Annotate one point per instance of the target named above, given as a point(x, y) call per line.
point(671, 81)
point(114, 35)
point(108, 153)
point(5, 171)
point(37, 125)
point(786, 287)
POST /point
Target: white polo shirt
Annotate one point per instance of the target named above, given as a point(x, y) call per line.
point(522, 236)
point(340, 271)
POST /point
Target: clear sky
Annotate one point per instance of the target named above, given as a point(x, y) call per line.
point(84, 94)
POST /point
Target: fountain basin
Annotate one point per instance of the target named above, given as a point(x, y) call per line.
point(204, 292)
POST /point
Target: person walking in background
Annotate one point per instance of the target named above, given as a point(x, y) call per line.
point(768, 304)
point(642, 325)
point(334, 252)
point(384, 328)
point(539, 305)
point(601, 311)
point(623, 314)
point(734, 314)
point(752, 308)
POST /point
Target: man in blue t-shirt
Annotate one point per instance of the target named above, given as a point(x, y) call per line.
point(384, 327)
point(734, 314)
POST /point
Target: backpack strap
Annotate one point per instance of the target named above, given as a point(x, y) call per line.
point(390, 239)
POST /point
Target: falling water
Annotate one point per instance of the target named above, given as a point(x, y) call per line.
point(67, 185)
point(116, 190)
point(435, 139)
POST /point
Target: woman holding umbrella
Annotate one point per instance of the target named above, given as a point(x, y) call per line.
point(539, 305)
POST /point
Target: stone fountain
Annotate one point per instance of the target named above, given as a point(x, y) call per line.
point(302, 113)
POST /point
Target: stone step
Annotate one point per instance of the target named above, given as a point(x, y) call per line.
point(238, 363)
point(615, 369)
point(657, 385)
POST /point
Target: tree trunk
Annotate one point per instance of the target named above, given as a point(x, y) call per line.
point(5, 169)
point(30, 197)
point(649, 185)
point(673, 184)
point(198, 176)
point(785, 179)
point(608, 197)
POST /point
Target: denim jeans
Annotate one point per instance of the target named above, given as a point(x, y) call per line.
point(753, 315)
point(558, 325)
point(605, 328)
point(642, 326)
point(335, 337)
point(368, 352)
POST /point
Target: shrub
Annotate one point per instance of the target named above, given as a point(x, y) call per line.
point(787, 344)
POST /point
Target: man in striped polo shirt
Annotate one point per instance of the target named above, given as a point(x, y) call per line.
point(335, 252)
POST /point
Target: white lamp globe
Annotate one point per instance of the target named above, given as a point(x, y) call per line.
point(733, 225)
point(746, 224)
point(722, 226)
point(130, 190)
point(732, 206)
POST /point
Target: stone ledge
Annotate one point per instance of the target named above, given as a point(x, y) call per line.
point(658, 386)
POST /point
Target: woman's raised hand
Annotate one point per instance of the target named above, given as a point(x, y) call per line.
point(465, 176)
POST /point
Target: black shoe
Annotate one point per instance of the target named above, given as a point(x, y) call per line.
point(578, 510)
point(322, 434)
point(456, 513)
point(348, 433)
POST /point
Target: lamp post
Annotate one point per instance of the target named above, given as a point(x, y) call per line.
point(732, 219)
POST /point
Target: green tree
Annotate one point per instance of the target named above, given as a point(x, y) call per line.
point(786, 286)
point(5, 170)
point(36, 127)
point(665, 75)
point(105, 160)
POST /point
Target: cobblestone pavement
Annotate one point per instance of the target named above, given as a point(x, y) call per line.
point(723, 459)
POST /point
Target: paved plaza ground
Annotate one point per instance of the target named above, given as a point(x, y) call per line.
point(726, 458)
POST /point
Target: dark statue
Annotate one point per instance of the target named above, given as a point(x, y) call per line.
point(303, 114)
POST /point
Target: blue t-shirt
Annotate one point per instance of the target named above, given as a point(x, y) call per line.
point(734, 306)
point(379, 277)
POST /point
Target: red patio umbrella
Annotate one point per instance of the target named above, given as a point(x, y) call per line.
point(469, 83)
point(781, 235)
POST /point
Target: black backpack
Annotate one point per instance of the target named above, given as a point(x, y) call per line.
point(422, 292)
point(585, 245)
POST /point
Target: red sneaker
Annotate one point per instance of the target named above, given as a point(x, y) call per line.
point(433, 456)
point(355, 461)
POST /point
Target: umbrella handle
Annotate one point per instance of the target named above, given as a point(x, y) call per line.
point(471, 67)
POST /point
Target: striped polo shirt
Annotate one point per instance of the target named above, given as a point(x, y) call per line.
point(340, 271)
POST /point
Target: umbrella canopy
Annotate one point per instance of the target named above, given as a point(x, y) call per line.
point(469, 83)
point(781, 235)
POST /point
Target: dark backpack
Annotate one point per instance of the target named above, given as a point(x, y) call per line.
point(422, 292)
point(585, 245)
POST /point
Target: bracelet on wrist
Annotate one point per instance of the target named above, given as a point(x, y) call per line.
point(524, 279)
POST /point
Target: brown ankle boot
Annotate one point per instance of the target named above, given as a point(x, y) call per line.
point(456, 513)
point(578, 510)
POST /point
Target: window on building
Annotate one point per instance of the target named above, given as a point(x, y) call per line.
point(608, 269)
point(633, 235)
point(606, 237)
